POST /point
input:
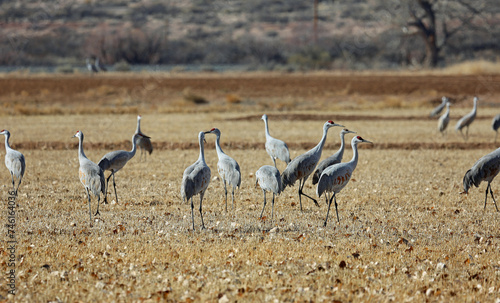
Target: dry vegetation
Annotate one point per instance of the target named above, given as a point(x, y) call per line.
point(406, 234)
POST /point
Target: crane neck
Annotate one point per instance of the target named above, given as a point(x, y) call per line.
point(342, 145)
point(474, 109)
point(217, 146)
point(81, 154)
point(202, 150)
point(319, 147)
point(267, 128)
point(134, 144)
point(7, 137)
point(138, 130)
point(354, 160)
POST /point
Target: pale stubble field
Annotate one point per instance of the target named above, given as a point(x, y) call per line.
point(406, 234)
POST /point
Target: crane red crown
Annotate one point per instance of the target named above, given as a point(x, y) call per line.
point(359, 138)
point(212, 129)
point(330, 121)
point(2, 130)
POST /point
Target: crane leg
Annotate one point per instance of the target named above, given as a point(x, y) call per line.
point(192, 215)
point(90, 209)
point(329, 202)
point(272, 209)
point(225, 191)
point(98, 200)
point(13, 184)
point(467, 133)
point(106, 190)
point(201, 214)
point(336, 209)
point(114, 186)
point(233, 197)
point(494, 202)
point(274, 161)
point(301, 185)
point(486, 197)
point(262, 212)
point(18, 184)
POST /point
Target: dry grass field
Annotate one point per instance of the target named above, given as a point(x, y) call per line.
point(406, 234)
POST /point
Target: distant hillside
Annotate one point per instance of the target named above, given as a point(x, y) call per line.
point(262, 34)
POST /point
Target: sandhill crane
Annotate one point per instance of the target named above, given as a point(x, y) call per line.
point(485, 169)
point(276, 148)
point(466, 120)
point(269, 179)
point(91, 175)
point(444, 119)
point(116, 160)
point(495, 124)
point(333, 159)
point(302, 166)
point(438, 109)
point(228, 168)
point(91, 66)
point(195, 180)
point(144, 142)
point(99, 65)
point(14, 161)
point(335, 178)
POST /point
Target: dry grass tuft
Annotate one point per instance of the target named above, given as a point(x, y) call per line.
point(233, 99)
point(472, 68)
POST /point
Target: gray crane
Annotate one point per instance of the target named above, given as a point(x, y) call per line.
point(495, 124)
point(467, 120)
point(335, 178)
point(144, 142)
point(333, 159)
point(14, 161)
point(302, 166)
point(485, 169)
point(91, 67)
point(444, 119)
point(276, 148)
point(195, 180)
point(438, 109)
point(269, 179)
point(228, 168)
point(116, 160)
point(91, 175)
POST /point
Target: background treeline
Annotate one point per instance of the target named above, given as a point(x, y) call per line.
point(262, 34)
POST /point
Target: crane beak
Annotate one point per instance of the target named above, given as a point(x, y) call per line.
point(366, 141)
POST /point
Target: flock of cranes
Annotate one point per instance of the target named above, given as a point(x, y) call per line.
point(330, 176)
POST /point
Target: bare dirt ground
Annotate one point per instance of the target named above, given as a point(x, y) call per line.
point(405, 233)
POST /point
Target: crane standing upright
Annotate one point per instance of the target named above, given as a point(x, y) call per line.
point(302, 166)
point(14, 161)
point(116, 160)
point(276, 148)
point(195, 180)
point(444, 119)
point(438, 109)
point(335, 178)
point(228, 168)
point(485, 169)
point(91, 175)
point(269, 179)
point(333, 159)
point(144, 142)
point(467, 120)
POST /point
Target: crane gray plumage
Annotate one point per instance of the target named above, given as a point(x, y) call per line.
point(14, 161)
point(302, 166)
point(495, 124)
point(116, 160)
point(335, 178)
point(91, 175)
point(438, 109)
point(276, 148)
point(269, 179)
point(467, 120)
point(485, 169)
point(444, 119)
point(144, 142)
point(195, 180)
point(91, 67)
point(228, 168)
point(333, 159)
